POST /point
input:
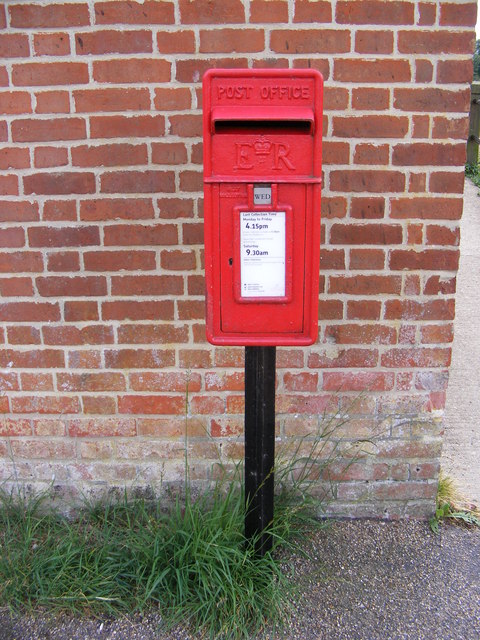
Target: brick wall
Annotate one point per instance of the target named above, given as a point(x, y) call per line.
point(101, 237)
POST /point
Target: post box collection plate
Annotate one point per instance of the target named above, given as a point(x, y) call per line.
point(262, 181)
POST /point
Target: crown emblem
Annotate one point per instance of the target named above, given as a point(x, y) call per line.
point(262, 147)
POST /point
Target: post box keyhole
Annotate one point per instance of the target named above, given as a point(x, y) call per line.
point(230, 261)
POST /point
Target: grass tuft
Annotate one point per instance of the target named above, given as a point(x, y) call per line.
point(451, 505)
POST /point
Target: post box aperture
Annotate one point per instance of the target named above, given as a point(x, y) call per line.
point(262, 178)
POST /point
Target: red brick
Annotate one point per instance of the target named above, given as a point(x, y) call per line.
point(142, 235)
point(361, 381)
point(371, 154)
point(176, 42)
point(150, 181)
point(423, 71)
point(69, 335)
point(428, 259)
point(139, 358)
point(81, 311)
point(371, 42)
point(9, 185)
point(12, 237)
point(105, 381)
point(447, 127)
point(178, 260)
point(437, 334)
point(417, 183)
point(63, 237)
point(402, 357)
point(211, 11)
point(109, 155)
point(171, 208)
point(365, 285)
point(413, 310)
point(169, 153)
point(157, 381)
point(192, 70)
point(9, 381)
point(454, 71)
point(52, 102)
point(138, 310)
point(191, 181)
point(16, 287)
point(186, 126)
point(151, 404)
point(116, 208)
point(127, 126)
point(428, 13)
point(18, 211)
point(195, 359)
point(332, 259)
point(375, 12)
point(422, 99)
point(445, 236)
point(306, 11)
point(231, 40)
point(360, 334)
point(368, 99)
point(207, 405)
point(41, 449)
point(336, 153)
point(41, 358)
point(455, 14)
point(167, 99)
point(370, 233)
point(335, 207)
point(35, 74)
point(101, 42)
point(45, 404)
point(427, 208)
point(13, 102)
point(316, 404)
point(374, 126)
point(119, 260)
point(446, 182)
point(78, 428)
point(48, 130)
point(51, 44)
point(363, 309)
point(91, 100)
point(368, 208)
point(21, 261)
point(147, 285)
point(150, 12)
point(45, 157)
point(14, 427)
point(420, 154)
point(71, 286)
point(374, 181)
point(269, 11)
point(152, 334)
point(335, 98)
point(23, 335)
point(131, 70)
point(99, 405)
point(310, 41)
point(343, 358)
point(14, 45)
point(53, 15)
point(300, 381)
point(378, 70)
point(365, 259)
point(63, 261)
point(59, 210)
point(82, 359)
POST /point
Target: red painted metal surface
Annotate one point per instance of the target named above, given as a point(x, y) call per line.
point(262, 181)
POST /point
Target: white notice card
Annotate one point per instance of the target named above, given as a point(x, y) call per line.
point(262, 254)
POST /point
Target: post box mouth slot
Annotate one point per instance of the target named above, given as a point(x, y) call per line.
point(245, 119)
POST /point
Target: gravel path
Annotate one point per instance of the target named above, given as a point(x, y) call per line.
point(369, 580)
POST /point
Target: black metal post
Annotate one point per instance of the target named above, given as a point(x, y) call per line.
point(259, 444)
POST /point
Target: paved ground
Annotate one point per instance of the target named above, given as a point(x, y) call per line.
point(366, 581)
point(461, 456)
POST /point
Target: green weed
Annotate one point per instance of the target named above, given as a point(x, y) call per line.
point(452, 506)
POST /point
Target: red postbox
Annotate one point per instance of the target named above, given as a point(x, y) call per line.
point(262, 179)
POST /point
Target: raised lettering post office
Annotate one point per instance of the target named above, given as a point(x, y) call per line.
point(262, 176)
